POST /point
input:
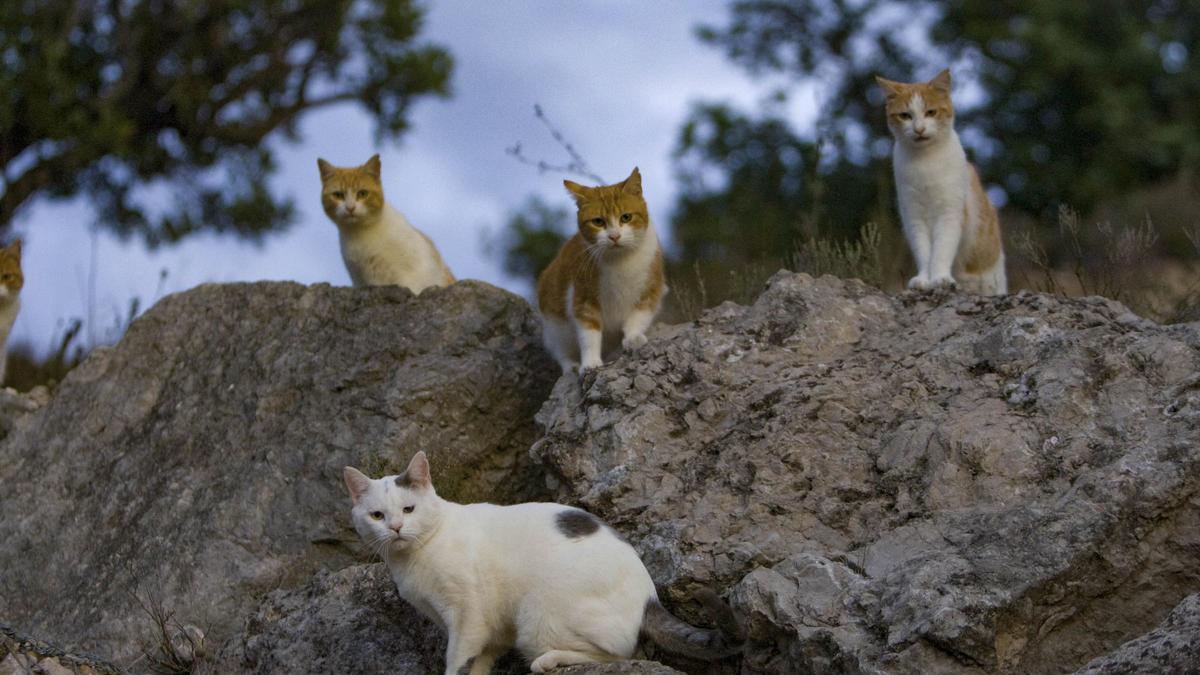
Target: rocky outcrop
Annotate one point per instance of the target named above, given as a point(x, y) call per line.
point(1173, 648)
point(902, 484)
point(877, 484)
point(197, 465)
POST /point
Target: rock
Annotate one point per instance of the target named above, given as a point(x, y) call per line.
point(1171, 649)
point(20, 655)
point(349, 621)
point(196, 466)
point(915, 483)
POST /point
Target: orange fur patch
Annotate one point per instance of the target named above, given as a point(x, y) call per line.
point(987, 244)
point(10, 267)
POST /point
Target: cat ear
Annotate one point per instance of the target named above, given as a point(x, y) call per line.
point(890, 89)
point(325, 168)
point(633, 184)
point(357, 483)
point(418, 470)
point(373, 166)
point(579, 192)
point(15, 247)
point(942, 81)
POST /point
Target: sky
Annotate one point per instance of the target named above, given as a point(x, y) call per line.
point(617, 77)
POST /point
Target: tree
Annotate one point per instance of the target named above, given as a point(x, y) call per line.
point(532, 237)
point(126, 101)
point(1080, 101)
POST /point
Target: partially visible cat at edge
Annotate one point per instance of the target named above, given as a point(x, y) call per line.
point(607, 280)
point(551, 580)
point(379, 246)
point(11, 281)
point(951, 225)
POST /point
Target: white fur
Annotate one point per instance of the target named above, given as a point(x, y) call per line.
point(933, 185)
point(625, 266)
point(388, 250)
point(498, 576)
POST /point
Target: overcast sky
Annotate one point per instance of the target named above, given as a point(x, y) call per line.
point(617, 77)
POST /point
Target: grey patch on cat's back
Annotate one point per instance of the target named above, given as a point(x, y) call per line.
point(465, 669)
point(574, 523)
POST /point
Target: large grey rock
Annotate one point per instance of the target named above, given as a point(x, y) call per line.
point(197, 465)
point(1173, 648)
point(914, 483)
point(349, 621)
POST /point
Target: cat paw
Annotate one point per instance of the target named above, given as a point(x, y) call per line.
point(918, 283)
point(634, 342)
point(590, 364)
point(945, 281)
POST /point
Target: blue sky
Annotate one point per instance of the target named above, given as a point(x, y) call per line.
point(617, 77)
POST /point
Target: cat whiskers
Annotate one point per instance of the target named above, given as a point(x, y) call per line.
point(593, 253)
point(379, 544)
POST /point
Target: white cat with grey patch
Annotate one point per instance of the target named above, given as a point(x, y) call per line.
point(549, 579)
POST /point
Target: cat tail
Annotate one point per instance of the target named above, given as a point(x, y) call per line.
point(684, 639)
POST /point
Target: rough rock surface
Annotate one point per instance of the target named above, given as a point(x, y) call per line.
point(20, 655)
point(899, 484)
point(348, 621)
point(1171, 649)
point(914, 483)
point(197, 465)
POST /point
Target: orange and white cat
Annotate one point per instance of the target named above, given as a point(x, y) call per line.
point(607, 280)
point(11, 281)
point(379, 246)
point(951, 225)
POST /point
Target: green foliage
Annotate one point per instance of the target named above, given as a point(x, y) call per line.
point(532, 237)
point(1082, 100)
point(110, 99)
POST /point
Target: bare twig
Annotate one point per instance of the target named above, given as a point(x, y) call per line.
point(576, 165)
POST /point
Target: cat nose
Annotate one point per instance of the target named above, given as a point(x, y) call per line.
point(350, 208)
point(615, 236)
point(396, 527)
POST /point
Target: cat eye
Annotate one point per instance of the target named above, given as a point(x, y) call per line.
point(377, 515)
point(409, 509)
point(338, 194)
point(596, 222)
point(905, 116)
point(930, 113)
point(626, 217)
point(362, 194)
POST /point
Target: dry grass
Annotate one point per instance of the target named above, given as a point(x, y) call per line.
point(1118, 261)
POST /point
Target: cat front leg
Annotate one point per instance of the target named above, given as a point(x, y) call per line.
point(587, 318)
point(634, 329)
point(465, 651)
point(947, 233)
point(920, 243)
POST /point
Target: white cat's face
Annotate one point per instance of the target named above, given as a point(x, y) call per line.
point(394, 512)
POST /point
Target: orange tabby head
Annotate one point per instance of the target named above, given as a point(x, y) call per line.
point(611, 217)
point(919, 113)
point(11, 279)
point(351, 195)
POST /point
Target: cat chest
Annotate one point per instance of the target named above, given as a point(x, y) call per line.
point(621, 287)
point(931, 190)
